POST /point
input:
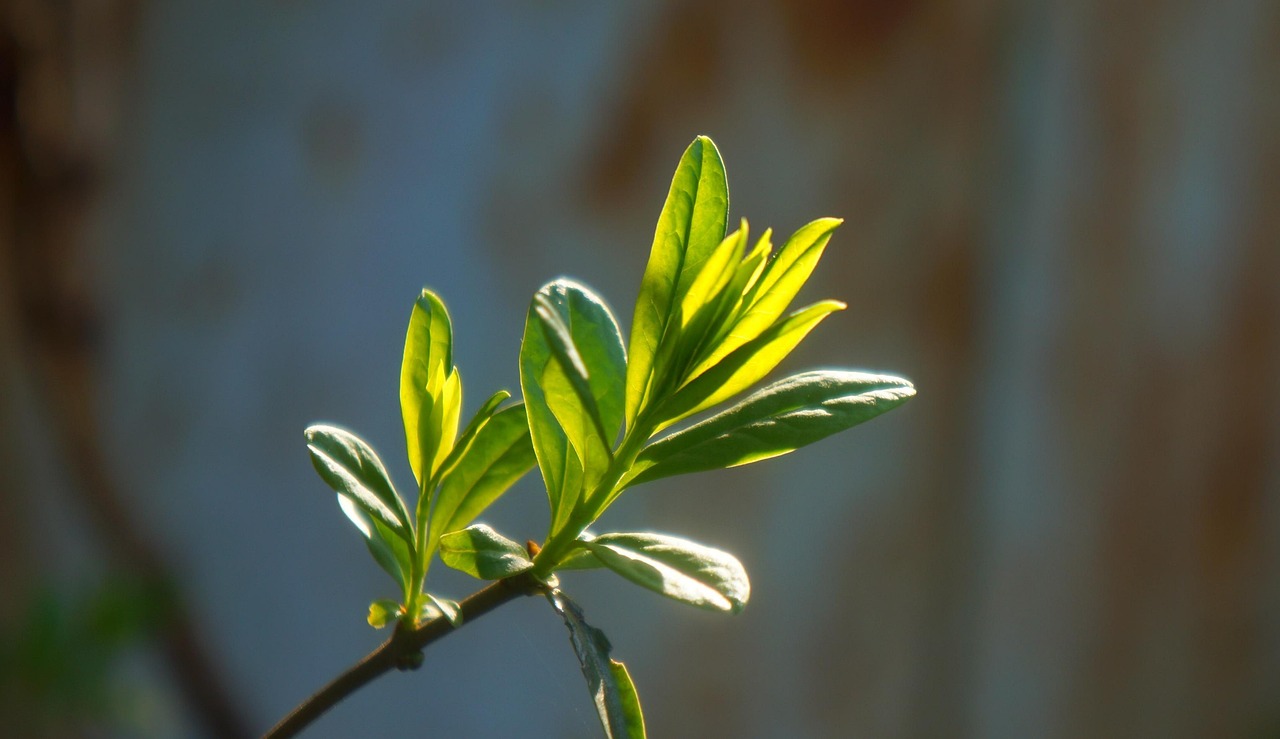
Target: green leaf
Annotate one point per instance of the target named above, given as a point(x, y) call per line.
point(677, 568)
point(352, 469)
point(428, 360)
point(383, 612)
point(391, 552)
point(629, 698)
point(572, 376)
point(745, 366)
point(691, 226)
point(498, 454)
point(585, 341)
point(448, 608)
point(771, 294)
point(698, 309)
point(611, 688)
point(483, 553)
point(725, 306)
point(477, 422)
point(777, 419)
point(579, 558)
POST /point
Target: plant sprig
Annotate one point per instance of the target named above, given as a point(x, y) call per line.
point(712, 319)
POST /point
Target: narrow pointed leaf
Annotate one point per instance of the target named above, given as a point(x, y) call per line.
point(779, 283)
point(729, 305)
point(611, 689)
point(498, 455)
point(679, 569)
point(391, 552)
point(428, 357)
point(445, 422)
point(746, 366)
point(701, 304)
point(477, 422)
point(716, 272)
point(352, 469)
point(779, 418)
point(790, 269)
point(691, 225)
point(629, 699)
point(483, 553)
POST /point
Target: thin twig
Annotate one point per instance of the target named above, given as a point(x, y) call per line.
point(403, 650)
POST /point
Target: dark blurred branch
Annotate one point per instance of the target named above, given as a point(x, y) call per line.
point(52, 150)
point(402, 650)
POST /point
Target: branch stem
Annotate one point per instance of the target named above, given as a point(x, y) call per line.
point(402, 650)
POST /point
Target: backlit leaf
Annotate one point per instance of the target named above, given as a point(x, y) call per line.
point(383, 612)
point(572, 374)
point(499, 453)
point(691, 225)
point(428, 359)
point(776, 287)
point(611, 688)
point(391, 552)
point(483, 553)
point(353, 470)
point(746, 366)
point(777, 419)
point(677, 568)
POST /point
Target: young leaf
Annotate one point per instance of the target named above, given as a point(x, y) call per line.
point(584, 339)
point(744, 367)
point(580, 559)
point(448, 608)
point(567, 389)
point(677, 568)
point(477, 422)
point(728, 303)
point(572, 366)
point(428, 359)
point(498, 454)
point(611, 688)
point(779, 418)
point(352, 469)
point(702, 302)
point(771, 294)
point(446, 411)
point(391, 552)
point(383, 612)
point(483, 553)
point(629, 698)
point(691, 225)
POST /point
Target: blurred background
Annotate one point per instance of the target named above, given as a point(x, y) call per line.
point(1061, 221)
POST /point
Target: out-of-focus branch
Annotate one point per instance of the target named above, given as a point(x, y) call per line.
point(53, 145)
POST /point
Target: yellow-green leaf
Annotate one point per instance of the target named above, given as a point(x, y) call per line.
point(428, 359)
point(691, 225)
point(745, 366)
point(772, 293)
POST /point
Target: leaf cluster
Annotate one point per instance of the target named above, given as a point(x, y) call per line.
point(713, 318)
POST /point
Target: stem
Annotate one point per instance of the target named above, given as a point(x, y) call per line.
point(400, 651)
point(592, 504)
